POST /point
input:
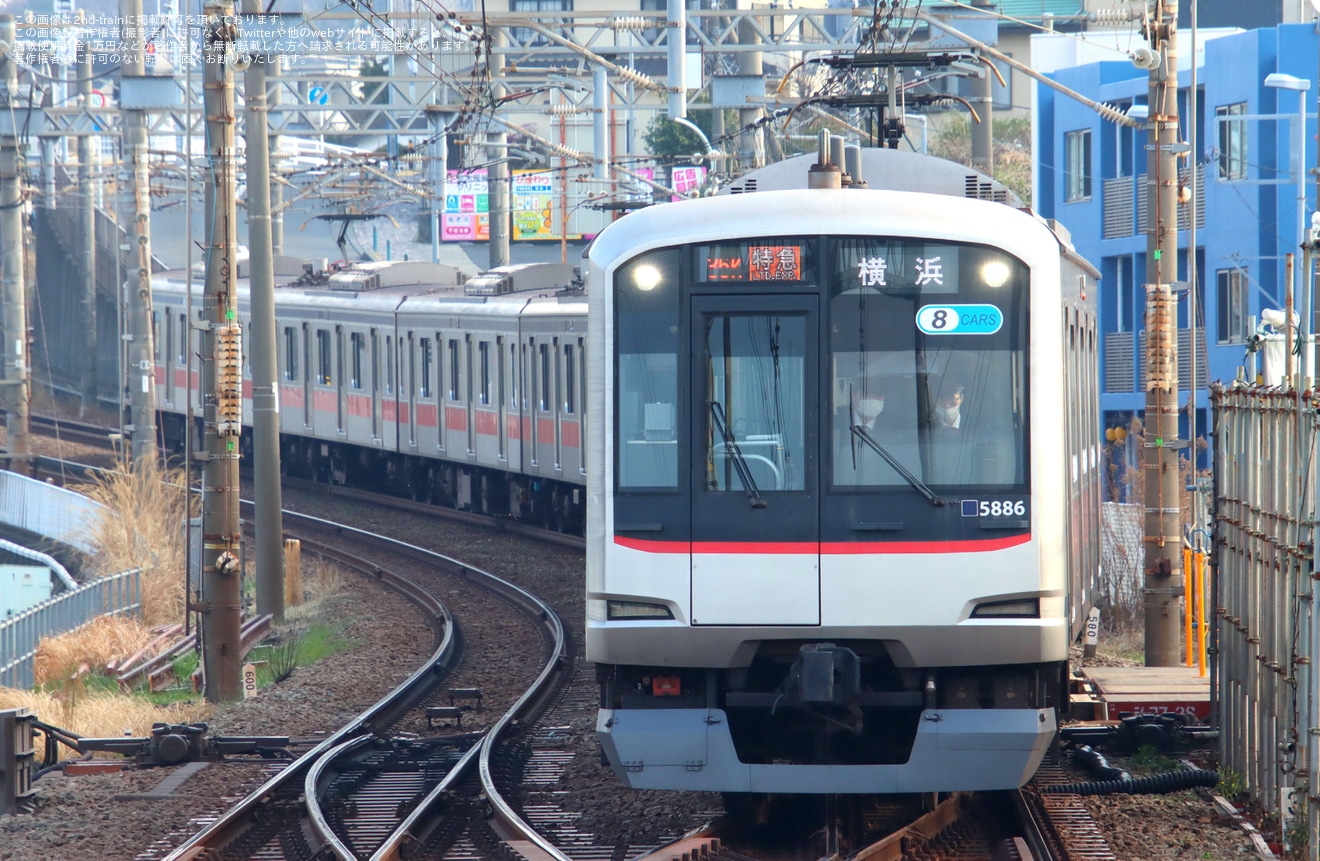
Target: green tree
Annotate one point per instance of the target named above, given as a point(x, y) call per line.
point(1012, 150)
point(376, 89)
point(667, 139)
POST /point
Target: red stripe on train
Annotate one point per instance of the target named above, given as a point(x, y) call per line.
point(455, 418)
point(829, 548)
point(488, 422)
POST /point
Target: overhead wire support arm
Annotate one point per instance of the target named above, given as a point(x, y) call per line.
point(1107, 111)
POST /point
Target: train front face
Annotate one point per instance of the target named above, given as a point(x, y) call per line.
point(814, 561)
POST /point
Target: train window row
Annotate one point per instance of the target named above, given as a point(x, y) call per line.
point(556, 374)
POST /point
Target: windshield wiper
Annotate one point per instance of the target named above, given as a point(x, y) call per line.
point(920, 486)
point(739, 462)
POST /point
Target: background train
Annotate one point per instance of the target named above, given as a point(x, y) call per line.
point(408, 377)
point(798, 579)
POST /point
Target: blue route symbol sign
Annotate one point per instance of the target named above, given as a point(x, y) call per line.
point(317, 96)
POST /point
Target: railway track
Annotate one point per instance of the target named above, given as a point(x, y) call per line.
point(351, 794)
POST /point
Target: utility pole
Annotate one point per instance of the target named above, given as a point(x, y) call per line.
point(273, 145)
point(269, 525)
point(222, 393)
point(13, 305)
point(1163, 583)
point(497, 176)
point(141, 376)
point(82, 73)
point(983, 138)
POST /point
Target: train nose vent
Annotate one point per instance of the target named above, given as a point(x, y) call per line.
point(825, 673)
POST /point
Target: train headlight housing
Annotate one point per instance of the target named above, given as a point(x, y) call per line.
point(1027, 608)
point(618, 611)
point(995, 273)
point(646, 277)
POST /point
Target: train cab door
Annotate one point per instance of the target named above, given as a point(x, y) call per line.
point(755, 485)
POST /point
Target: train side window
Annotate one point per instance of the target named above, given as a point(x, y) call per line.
point(570, 405)
point(357, 345)
point(339, 353)
point(183, 340)
point(453, 369)
point(467, 356)
point(483, 353)
point(513, 377)
point(545, 377)
point(155, 336)
point(425, 360)
point(323, 372)
point(290, 353)
point(389, 364)
point(375, 360)
point(169, 341)
point(582, 373)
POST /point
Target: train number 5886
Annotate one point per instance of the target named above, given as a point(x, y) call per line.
point(1002, 508)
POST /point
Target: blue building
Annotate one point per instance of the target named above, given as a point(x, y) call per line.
point(1091, 177)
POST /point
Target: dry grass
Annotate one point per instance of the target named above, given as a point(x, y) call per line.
point(99, 715)
point(322, 581)
point(94, 644)
point(144, 528)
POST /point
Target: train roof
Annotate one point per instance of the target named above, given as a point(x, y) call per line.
point(392, 284)
point(884, 169)
point(822, 211)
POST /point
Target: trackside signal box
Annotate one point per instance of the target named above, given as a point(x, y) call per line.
point(18, 757)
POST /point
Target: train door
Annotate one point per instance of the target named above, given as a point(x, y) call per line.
point(469, 399)
point(502, 428)
point(375, 385)
point(557, 401)
point(341, 393)
point(307, 375)
point(412, 391)
point(755, 493)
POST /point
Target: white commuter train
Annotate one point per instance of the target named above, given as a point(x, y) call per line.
point(843, 484)
point(408, 377)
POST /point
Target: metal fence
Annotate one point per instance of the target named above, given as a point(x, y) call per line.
point(19, 636)
point(1264, 596)
point(67, 518)
point(61, 515)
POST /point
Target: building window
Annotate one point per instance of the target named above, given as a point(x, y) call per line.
point(1232, 140)
point(1077, 165)
point(1124, 295)
point(532, 8)
point(1231, 285)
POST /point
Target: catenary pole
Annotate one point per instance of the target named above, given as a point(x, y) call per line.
point(13, 307)
point(141, 372)
point(269, 523)
point(82, 72)
point(1163, 576)
point(221, 354)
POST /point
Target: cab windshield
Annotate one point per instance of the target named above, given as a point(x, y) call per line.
point(927, 352)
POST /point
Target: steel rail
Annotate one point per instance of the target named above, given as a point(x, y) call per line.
point(235, 820)
point(526, 704)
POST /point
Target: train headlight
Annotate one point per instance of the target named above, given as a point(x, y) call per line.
point(995, 273)
point(646, 277)
point(623, 610)
point(1021, 609)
